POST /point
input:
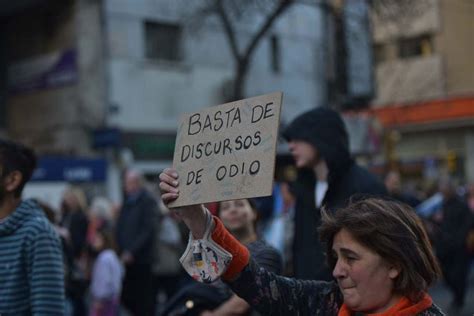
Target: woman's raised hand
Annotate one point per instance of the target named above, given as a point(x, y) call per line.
point(194, 216)
point(169, 185)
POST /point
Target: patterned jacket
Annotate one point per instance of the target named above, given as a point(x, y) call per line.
point(271, 294)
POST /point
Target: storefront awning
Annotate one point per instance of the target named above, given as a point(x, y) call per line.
point(452, 109)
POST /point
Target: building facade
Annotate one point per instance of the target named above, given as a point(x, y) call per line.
point(78, 73)
point(425, 86)
point(55, 84)
point(166, 58)
point(53, 90)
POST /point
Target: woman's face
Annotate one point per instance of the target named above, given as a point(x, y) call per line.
point(98, 242)
point(364, 278)
point(237, 214)
point(70, 201)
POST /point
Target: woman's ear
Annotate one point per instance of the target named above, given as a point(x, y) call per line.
point(393, 272)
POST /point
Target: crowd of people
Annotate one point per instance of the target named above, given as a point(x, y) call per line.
point(118, 257)
point(359, 243)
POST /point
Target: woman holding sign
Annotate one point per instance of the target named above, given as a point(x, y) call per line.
point(239, 218)
point(378, 251)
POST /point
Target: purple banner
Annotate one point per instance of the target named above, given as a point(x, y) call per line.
point(43, 72)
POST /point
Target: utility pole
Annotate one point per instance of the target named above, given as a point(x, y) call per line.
point(329, 52)
point(348, 53)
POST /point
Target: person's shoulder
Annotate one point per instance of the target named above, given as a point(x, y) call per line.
point(108, 256)
point(457, 206)
point(358, 170)
point(79, 217)
point(432, 311)
point(366, 181)
point(255, 246)
point(36, 223)
point(147, 196)
point(260, 245)
point(266, 255)
point(462, 203)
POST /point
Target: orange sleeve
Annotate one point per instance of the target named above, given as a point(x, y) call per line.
point(240, 253)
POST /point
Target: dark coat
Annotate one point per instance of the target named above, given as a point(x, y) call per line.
point(76, 223)
point(325, 130)
point(451, 246)
point(135, 230)
point(457, 219)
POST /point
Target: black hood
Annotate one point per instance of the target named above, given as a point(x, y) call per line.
point(325, 130)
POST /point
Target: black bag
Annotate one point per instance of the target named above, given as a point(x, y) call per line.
point(194, 299)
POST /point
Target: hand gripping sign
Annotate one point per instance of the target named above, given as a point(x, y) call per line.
point(228, 151)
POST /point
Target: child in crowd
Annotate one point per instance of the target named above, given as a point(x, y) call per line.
point(107, 274)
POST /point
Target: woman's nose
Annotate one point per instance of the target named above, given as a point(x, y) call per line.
point(339, 270)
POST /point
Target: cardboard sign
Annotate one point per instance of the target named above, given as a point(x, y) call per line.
point(228, 151)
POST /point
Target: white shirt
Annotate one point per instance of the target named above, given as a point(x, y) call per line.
point(107, 276)
point(320, 192)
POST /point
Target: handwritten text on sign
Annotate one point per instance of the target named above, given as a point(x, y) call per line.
point(228, 151)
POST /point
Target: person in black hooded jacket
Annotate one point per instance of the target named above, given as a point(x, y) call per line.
point(328, 177)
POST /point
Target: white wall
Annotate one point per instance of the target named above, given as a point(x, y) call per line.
point(50, 193)
point(151, 95)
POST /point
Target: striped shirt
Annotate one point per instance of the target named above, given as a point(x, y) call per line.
point(31, 267)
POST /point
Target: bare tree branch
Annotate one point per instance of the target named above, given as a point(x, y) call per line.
point(228, 29)
point(283, 4)
point(239, 9)
point(231, 14)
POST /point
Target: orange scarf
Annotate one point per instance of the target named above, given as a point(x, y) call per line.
point(404, 307)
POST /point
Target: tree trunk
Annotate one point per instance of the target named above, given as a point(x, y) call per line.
point(243, 59)
point(241, 71)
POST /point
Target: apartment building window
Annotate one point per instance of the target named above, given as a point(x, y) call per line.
point(380, 53)
point(416, 46)
point(275, 53)
point(163, 41)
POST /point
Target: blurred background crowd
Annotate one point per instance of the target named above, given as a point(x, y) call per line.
point(89, 225)
point(96, 88)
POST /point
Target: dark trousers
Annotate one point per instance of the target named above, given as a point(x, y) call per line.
point(137, 290)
